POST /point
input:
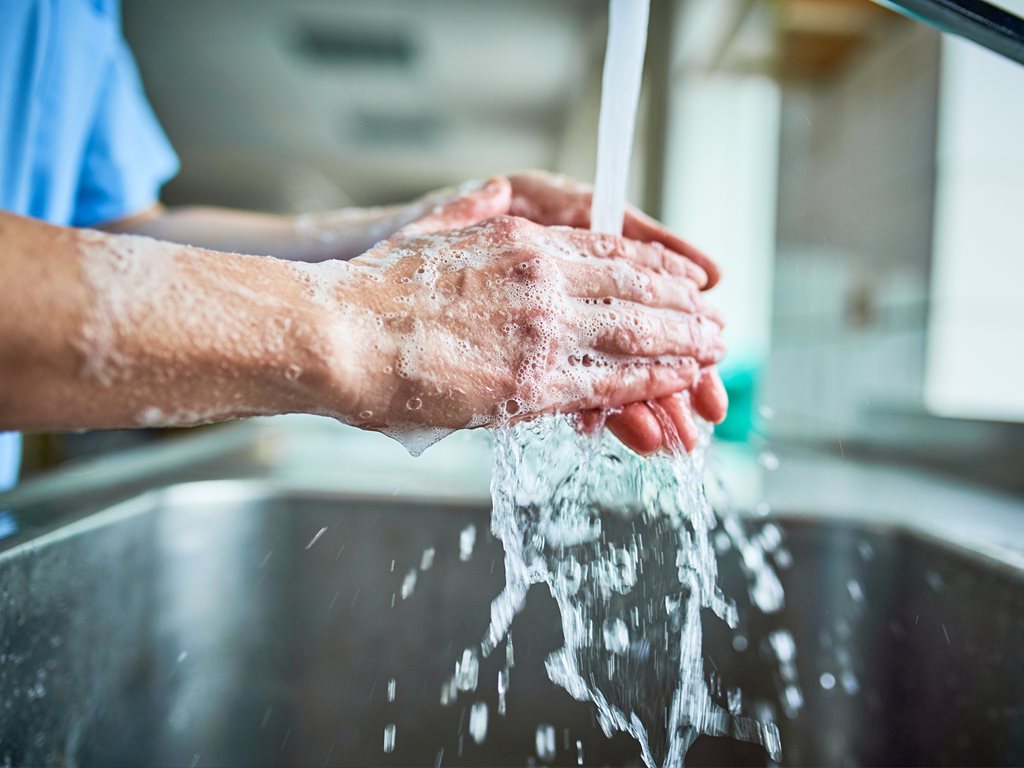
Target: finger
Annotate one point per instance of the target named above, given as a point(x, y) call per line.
point(639, 226)
point(490, 199)
point(608, 385)
point(631, 330)
point(709, 397)
point(677, 423)
point(637, 427)
point(558, 200)
point(650, 255)
point(551, 199)
point(602, 280)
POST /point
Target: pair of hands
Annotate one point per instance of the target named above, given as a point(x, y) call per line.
point(499, 304)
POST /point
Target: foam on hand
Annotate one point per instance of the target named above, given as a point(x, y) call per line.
point(480, 326)
point(159, 316)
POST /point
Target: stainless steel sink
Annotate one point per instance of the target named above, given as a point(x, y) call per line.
point(214, 624)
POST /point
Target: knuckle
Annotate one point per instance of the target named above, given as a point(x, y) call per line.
point(508, 227)
point(535, 267)
point(525, 268)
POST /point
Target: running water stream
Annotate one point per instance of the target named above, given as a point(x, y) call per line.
point(623, 543)
point(620, 94)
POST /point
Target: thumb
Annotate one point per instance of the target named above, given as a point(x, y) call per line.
point(468, 207)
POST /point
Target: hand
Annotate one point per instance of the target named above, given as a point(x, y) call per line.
point(344, 233)
point(472, 318)
point(645, 427)
point(667, 423)
point(555, 200)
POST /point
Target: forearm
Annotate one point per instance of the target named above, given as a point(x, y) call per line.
point(313, 237)
point(103, 331)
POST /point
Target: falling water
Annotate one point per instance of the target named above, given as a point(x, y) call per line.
point(624, 546)
point(623, 543)
point(620, 92)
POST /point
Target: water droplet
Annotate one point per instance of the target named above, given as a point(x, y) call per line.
point(827, 680)
point(856, 593)
point(467, 671)
point(316, 538)
point(427, 560)
point(545, 742)
point(408, 584)
point(616, 636)
point(770, 537)
point(792, 701)
point(414, 403)
point(478, 722)
point(502, 691)
point(467, 540)
point(392, 686)
point(849, 681)
point(448, 693)
point(783, 558)
point(390, 733)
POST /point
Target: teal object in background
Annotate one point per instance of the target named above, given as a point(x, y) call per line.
point(741, 379)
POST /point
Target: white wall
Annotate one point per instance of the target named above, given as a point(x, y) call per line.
point(720, 192)
point(975, 365)
point(856, 180)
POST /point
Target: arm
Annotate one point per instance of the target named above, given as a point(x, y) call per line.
point(104, 331)
point(340, 234)
point(457, 321)
point(311, 237)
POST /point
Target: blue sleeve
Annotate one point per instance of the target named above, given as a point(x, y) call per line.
point(127, 156)
point(10, 458)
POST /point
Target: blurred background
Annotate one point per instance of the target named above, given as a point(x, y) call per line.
point(858, 174)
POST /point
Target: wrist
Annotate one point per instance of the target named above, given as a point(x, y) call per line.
point(173, 335)
point(342, 346)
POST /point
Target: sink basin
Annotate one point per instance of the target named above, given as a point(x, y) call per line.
point(220, 624)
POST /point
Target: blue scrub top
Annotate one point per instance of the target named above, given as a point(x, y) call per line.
point(79, 143)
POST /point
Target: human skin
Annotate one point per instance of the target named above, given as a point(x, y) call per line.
point(544, 198)
point(646, 427)
point(102, 330)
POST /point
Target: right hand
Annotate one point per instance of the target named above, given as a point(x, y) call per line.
point(668, 423)
point(467, 319)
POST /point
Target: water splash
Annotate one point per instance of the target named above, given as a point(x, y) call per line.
point(624, 546)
